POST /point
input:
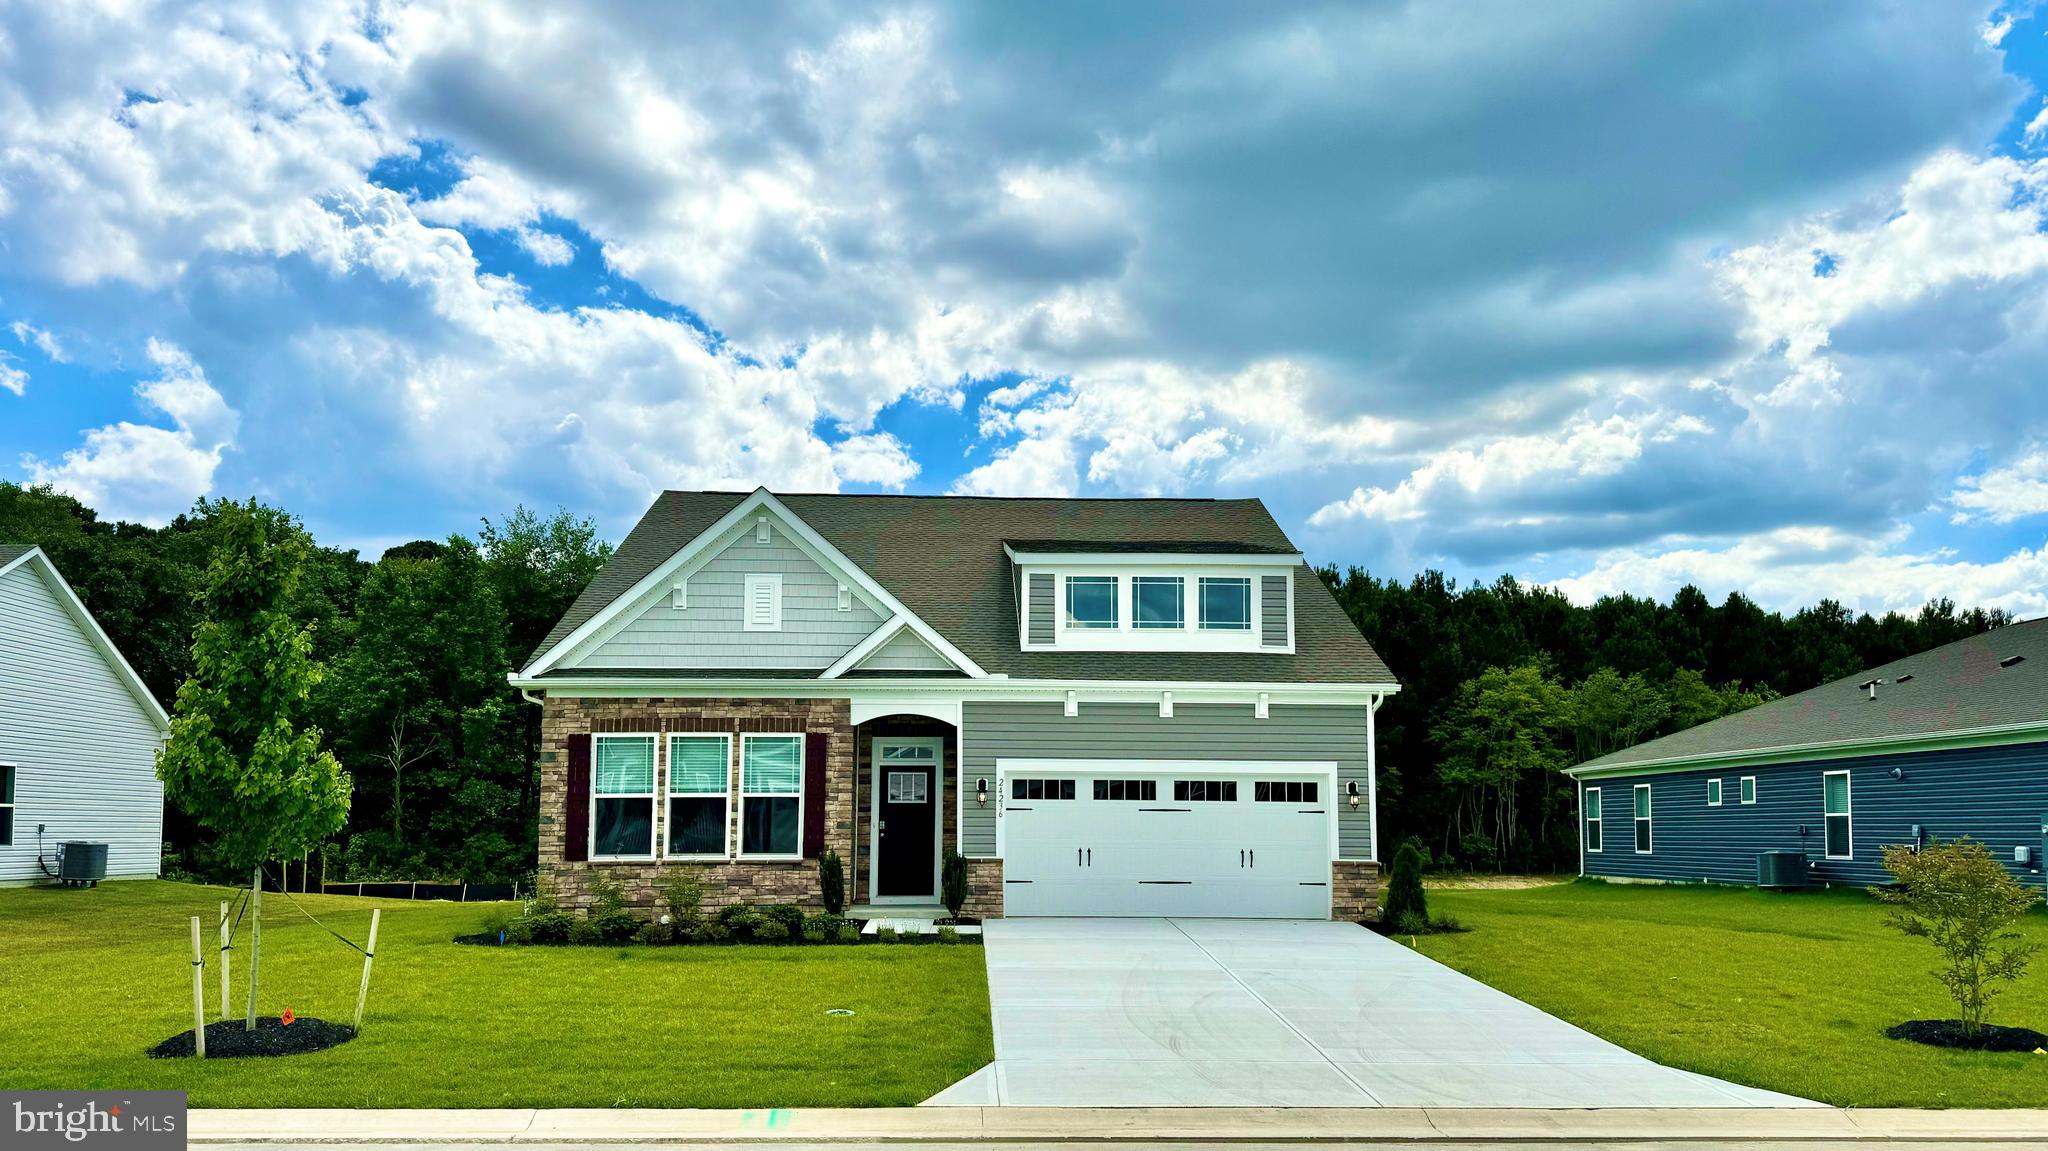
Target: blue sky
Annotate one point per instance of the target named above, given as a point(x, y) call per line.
point(1607, 295)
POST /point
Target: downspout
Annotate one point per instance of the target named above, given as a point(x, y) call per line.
point(1372, 773)
point(1579, 803)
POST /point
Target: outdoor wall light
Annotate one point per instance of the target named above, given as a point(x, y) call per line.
point(1352, 791)
point(981, 792)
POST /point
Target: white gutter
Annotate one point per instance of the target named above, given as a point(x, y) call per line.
point(1836, 749)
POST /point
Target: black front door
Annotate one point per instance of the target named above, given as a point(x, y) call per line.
point(904, 860)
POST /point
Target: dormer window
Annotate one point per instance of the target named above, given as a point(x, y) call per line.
point(1158, 602)
point(1091, 601)
point(1226, 604)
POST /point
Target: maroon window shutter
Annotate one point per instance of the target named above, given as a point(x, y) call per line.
point(816, 745)
point(576, 835)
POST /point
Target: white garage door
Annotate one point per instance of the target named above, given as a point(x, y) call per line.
point(1132, 840)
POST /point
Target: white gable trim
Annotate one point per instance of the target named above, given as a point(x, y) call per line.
point(72, 604)
point(876, 640)
point(700, 550)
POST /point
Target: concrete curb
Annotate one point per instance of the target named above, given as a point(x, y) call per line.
point(1147, 1124)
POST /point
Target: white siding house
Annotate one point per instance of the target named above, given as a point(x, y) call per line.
point(79, 731)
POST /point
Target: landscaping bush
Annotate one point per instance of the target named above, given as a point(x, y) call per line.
point(827, 923)
point(1959, 897)
point(546, 926)
point(683, 897)
point(606, 894)
point(615, 926)
point(885, 935)
point(953, 882)
point(1411, 923)
point(1444, 925)
point(948, 935)
point(656, 933)
point(832, 882)
point(849, 934)
point(738, 919)
point(583, 933)
point(814, 935)
point(770, 931)
point(788, 915)
point(519, 931)
point(1404, 889)
point(710, 932)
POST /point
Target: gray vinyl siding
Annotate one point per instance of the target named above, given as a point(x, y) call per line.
point(1998, 796)
point(83, 747)
point(709, 633)
point(1273, 611)
point(906, 652)
point(1004, 730)
point(1041, 607)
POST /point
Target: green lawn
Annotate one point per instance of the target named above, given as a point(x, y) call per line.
point(1787, 992)
point(91, 979)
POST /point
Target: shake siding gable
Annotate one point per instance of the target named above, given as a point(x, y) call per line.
point(1998, 796)
point(711, 631)
point(83, 747)
point(904, 653)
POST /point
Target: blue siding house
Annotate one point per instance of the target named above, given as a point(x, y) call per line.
point(1947, 743)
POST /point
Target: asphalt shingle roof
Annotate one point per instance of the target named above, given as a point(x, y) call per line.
point(942, 556)
point(1957, 687)
point(11, 552)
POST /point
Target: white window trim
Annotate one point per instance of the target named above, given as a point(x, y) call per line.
point(1181, 581)
point(654, 799)
point(1649, 817)
point(1190, 636)
point(1600, 820)
point(1064, 603)
point(670, 793)
point(1714, 792)
point(1251, 604)
point(1745, 791)
point(754, 581)
point(1848, 816)
point(740, 824)
point(12, 798)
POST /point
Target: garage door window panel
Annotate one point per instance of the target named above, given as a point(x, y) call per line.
point(1205, 791)
point(1037, 789)
point(1127, 790)
point(1285, 791)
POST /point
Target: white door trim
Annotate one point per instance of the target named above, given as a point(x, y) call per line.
point(875, 777)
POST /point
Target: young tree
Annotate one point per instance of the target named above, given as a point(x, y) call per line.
point(1502, 729)
point(1957, 896)
point(238, 759)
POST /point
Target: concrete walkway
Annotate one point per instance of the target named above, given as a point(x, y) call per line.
point(1021, 1125)
point(1283, 1013)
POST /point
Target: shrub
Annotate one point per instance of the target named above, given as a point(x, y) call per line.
point(583, 932)
point(770, 931)
point(827, 923)
point(1444, 924)
point(738, 919)
point(832, 882)
point(953, 882)
point(496, 920)
point(849, 934)
point(615, 926)
point(789, 915)
point(1411, 923)
point(711, 932)
point(1959, 897)
point(885, 935)
point(1404, 888)
point(948, 935)
point(606, 894)
point(814, 935)
point(549, 926)
point(683, 897)
point(656, 933)
point(1479, 849)
point(519, 931)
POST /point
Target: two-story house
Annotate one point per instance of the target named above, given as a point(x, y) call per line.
point(1108, 706)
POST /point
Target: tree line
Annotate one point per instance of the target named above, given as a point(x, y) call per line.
point(1503, 684)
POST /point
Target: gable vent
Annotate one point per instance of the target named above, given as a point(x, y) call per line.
point(764, 603)
point(2010, 660)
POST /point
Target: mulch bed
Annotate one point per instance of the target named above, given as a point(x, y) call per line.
point(480, 939)
point(228, 1040)
point(961, 921)
point(1949, 1033)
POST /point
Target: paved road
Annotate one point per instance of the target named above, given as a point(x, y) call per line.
point(1233, 1145)
point(1283, 1013)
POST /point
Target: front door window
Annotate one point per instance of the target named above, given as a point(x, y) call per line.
point(906, 818)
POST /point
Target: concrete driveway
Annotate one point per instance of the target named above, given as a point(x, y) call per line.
point(1249, 1013)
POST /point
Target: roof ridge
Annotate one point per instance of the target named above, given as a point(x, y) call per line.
point(953, 497)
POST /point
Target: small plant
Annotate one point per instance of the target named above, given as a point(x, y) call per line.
point(948, 935)
point(789, 915)
point(814, 935)
point(770, 931)
point(1959, 897)
point(1411, 923)
point(827, 923)
point(616, 926)
point(583, 932)
point(953, 882)
point(682, 896)
point(832, 881)
point(738, 919)
point(547, 925)
point(1445, 925)
point(606, 894)
point(849, 934)
point(1404, 888)
point(885, 935)
point(656, 933)
point(711, 932)
point(519, 931)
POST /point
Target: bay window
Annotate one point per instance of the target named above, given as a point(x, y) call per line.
point(771, 795)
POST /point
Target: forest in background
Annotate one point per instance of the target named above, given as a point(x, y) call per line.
point(1503, 684)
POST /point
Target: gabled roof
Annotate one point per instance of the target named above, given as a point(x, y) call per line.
point(942, 557)
point(24, 556)
point(1971, 686)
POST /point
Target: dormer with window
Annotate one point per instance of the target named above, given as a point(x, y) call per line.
point(1162, 597)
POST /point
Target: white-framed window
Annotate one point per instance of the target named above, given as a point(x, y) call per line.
point(1642, 800)
point(6, 804)
point(1748, 789)
point(1091, 602)
point(772, 795)
point(1713, 793)
point(1226, 603)
point(699, 792)
point(764, 603)
point(908, 787)
point(622, 796)
point(1593, 828)
point(1835, 815)
point(1159, 602)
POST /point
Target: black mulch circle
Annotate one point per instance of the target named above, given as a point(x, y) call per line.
point(483, 939)
point(1949, 1033)
point(962, 921)
point(228, 1040)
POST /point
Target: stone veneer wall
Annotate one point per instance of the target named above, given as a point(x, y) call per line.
point(1354, 889)
point(984, 889)
point(738, 881)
